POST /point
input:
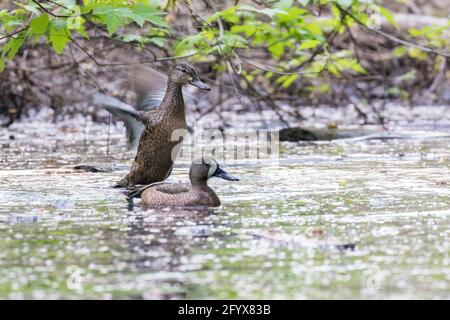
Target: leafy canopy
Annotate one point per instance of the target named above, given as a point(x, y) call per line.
point(58, 21)
point(290, 34)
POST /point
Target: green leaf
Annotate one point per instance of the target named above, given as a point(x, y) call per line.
point(388, 15)
point(345, 3)
point(82, 32)
point(415, 32)
point(417, 54)
point(399, 51)
point(13, 46)
point(75, 22)
point(321, 88)
point(355, 66)
point(314, 29)
point(411, 75)
point(234, 40)
point(188, 43)
point(248, 30)
point(277, 49)
point(39, 25)
point(31, 7)
point(333, 69)
point(159, 41)
point(112, 17)
point(59, 35)
point(132, 38)
point(286, 81)
point(393, 91)
point(309, 44)
point(142, 13)
point(227, 14)
point(4, 13)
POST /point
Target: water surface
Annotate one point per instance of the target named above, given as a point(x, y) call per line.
point(343, 219)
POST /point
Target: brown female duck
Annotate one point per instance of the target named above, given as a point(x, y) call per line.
point(156, 153)
point(198, 193)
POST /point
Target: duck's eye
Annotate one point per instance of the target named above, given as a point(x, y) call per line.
point(183, 70)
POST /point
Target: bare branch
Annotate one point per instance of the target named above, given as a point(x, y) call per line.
point(257, 66)
point(391, 37)
point(48, 11)
point(10, 35)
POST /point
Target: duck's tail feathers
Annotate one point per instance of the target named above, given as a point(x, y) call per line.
point(122, 183)
point(131, 117)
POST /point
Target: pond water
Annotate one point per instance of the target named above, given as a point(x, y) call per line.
point(342, 219)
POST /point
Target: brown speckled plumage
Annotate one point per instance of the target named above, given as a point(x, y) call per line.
point(156, 153)
point(180, 195)
point(198, 193)
point(153, 161)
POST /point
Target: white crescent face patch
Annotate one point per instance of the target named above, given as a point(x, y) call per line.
point(213, 165)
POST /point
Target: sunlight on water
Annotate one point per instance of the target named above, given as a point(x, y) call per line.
point(349, 219)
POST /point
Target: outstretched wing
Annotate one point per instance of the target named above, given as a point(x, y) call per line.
point(150, 87)
point(148, 84)
point(131, 117)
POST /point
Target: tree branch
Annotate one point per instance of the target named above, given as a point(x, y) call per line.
point(391, 37)
point(14, 33)
point(48, 11)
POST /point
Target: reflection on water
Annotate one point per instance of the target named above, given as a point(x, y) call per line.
point(349, 219)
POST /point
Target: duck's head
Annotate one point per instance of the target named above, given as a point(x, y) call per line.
point(204, 168)
point(183, 73)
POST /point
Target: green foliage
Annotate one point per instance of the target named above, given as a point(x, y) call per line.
point(59, 35)
point(114, 17)
point(58, 20)
point(39, 25)
point(12, 46)
point(289, 33)
point(433, 34)
point(388, 15)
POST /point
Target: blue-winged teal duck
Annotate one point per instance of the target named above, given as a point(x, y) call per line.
point(155, 156)
point(198, 193)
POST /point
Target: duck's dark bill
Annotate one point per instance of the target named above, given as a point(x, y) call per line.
point(222, 174)
point(199, 84)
